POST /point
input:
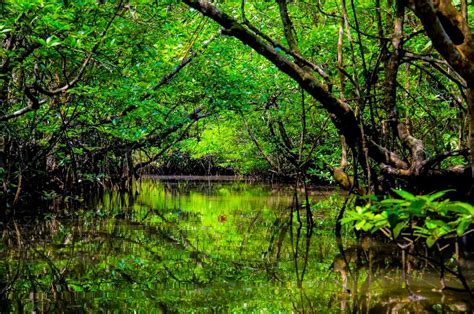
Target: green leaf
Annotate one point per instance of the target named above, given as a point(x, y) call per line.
point(466, 207)
point(399, 227)
point(360, 224)
point(462, 227)
point(391, 201)
point(435, 223)
point(430, 241)
point(405, 195)
point(393, 219)
point(367, 227)
point(437, 195)
point(416, 206)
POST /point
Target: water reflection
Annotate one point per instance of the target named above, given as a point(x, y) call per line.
point(179, 246)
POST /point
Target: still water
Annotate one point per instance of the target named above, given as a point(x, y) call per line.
point(209, 246)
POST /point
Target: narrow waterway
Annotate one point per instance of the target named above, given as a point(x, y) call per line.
point(210, 246)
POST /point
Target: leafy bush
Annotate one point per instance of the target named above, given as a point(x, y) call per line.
point(420, 216)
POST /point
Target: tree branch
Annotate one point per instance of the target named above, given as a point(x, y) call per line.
point(432, 162)
point(342, 115)
point(288, 26)
point(440, 22)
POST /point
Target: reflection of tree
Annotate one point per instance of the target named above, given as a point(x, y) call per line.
point(39, 280)
point(300, 240)
point(47, 265)
point(130, 246)
point(273, 253)
point(296, 246)
point(383, 278)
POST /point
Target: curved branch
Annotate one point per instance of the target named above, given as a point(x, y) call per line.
point(441, 21)
point(33, 105)
point(17, 113)
point(432, 162)
point(342, 115)
point(296, 55)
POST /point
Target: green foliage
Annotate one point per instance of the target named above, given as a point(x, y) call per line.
point(228, 148)
point(414, 216)
point(133, 47)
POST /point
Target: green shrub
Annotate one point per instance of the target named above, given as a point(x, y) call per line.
point(420, 216)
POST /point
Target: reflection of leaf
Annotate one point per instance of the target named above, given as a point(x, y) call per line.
point(347, 220)
point(75, 287)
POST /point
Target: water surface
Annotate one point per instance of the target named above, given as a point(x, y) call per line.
point(209, 246)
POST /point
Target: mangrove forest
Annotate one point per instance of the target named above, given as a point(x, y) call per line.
point(241, 156)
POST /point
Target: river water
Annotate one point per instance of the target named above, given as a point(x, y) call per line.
point(210, 246)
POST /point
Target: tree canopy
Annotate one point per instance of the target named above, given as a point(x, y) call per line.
point(369, 94)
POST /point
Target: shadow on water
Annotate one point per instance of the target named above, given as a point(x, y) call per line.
point(202, 246)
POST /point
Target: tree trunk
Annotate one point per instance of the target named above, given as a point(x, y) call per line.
point(470, 103)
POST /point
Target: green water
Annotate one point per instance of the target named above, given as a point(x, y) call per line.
point(188, 246)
